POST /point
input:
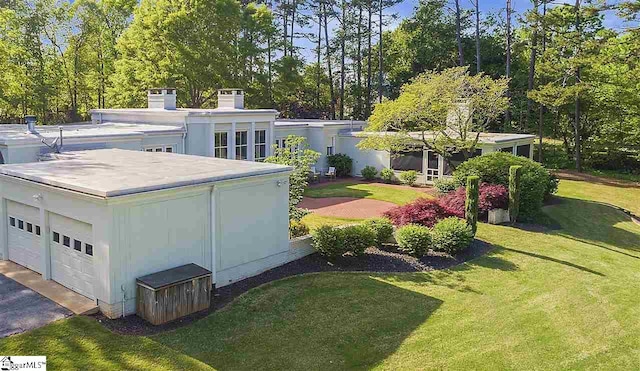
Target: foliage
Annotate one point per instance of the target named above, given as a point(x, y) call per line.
point(387, 175)
point(342, 163)
point(442, 111)
point(295, 153)
point(414, 238)
point(492, 196)
point(409, 177)
point(297, 228)
point(445, 185)
point(382, 227)
point(471, 203)
point(357, 238)
point(421, 211)
point(369, 172)
point(494, 168)
point(515, 189)
point(451, 235)
point(328, 241)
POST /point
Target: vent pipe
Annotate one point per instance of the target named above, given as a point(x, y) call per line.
point(31, 124)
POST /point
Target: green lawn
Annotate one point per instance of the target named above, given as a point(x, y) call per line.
point(566, 299)
point(628, 198)
point(314, 221)
point(381, 192)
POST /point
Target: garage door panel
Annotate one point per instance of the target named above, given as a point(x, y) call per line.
point(24, 243)
point(71, 267)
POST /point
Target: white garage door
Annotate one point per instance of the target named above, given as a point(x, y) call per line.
point(24, 235)
point(72, 254)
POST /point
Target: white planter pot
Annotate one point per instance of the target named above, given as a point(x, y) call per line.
point(498, 216)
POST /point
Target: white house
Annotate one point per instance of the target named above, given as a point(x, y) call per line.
point(96, 220)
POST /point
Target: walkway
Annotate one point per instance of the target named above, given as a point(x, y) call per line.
point(346, 207)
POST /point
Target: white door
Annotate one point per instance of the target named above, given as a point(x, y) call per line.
point(433, 166)
point(72, 254)
point(24, 235)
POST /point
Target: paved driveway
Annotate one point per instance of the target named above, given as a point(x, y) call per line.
point(22, 309)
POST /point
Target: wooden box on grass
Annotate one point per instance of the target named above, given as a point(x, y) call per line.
point(174, 293)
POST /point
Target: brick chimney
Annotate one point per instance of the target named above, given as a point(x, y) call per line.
point(231, 98)
point(162, 98)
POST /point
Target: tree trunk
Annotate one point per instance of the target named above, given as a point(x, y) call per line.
point(380, 54)
point(507, 115)
point(541, 110)
point(576, 125)
point(358, 109)
point(285, 26)
point(459, 34)
point(332, 107)
point(293, 22)
point(478, 67)
point(342, 52)
point(318, 57)
point(369, 61)
point(532, 59)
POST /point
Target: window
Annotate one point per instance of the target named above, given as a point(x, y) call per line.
point(331, 148)
point(12, 221)
point(279, 143)
point(330, 151)
point(37, 230)
point(524, 150)
point(221, 146)
point(241, 145)
point(260, 145)
point(77, 245)
point(66, 241)
point(410, 160)
point(456, 159)
point(88, 249)
point(29, 227)
point(167, 148)
point(507, 149)
point(56, 237)
point(20, 224)
point(148, 149)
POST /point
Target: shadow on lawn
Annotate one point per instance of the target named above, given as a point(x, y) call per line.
point(328, 321)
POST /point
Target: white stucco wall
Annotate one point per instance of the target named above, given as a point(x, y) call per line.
point(362, 158)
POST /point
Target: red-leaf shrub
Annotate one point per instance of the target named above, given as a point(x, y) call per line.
point(421, 211)
point(492, 196)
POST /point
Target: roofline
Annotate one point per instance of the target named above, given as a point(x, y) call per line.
point(185, 112)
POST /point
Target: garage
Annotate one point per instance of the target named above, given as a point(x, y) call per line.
point(72, 254)
point(24, 235)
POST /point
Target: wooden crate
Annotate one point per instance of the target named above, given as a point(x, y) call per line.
point(168, 295)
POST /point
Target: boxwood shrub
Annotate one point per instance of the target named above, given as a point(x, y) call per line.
point(369, 172)
point(387, 175)
point(357, 238)
point(382, 227)
point(416, 239)
point(451, 235)
point(494, 168)
point(342, 163)
point(328, 241)
point(409, 177)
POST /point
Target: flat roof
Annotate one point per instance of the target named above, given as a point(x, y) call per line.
point(183, 112)
point(18, 134)
point(117, 172)
point(485, 138)
point(316, 122)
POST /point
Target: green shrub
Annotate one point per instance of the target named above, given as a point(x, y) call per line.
point(297, 229)
point(494, 168)
point(357, 238)
point(342, 163)
point(472, 202)
point(552, 186)
point(328, 241)
point(414, 238)
point(515, 189)
point(387, 175)
point(369, 172)
point(382, 227)
point(409, 177)
point(445, 185)
point(451, 235)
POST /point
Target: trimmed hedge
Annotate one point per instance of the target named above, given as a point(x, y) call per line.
point(515, 189)
point(387, 175)
point(342, 163)
point(471, 203)
point(382, 227)
point(494, 168)
point(357, 238)
point(445, 185)
point(333, 242)
point(451, 235)
point(414, 238)
point(409, 177)
point(369, 172)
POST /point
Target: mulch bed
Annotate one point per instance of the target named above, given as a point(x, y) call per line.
point(375, 260)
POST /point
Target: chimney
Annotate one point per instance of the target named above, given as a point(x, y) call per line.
point(231, 98)
point(162, 98)
point(31, 124)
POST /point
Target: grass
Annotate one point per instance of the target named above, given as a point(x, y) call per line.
point(625, 197)
point(314, 221)
point(381, 192)
point(563, 299)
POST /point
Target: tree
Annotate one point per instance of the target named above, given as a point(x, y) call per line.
point(441, 111)
point(295, 153)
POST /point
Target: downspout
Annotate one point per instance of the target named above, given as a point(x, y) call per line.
point(184, 137)
point(212, 218)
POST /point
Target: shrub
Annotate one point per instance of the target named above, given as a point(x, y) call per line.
point(414, 238)
point(451, 235)
point(515, 174)
point(297, 229)
point(492, 196)
point(409, 177)
point(356, 238)
point(387, 175)
point(382, 227)
point(494, 168)
point(421, 211)
point(471, 203)
point(445, 185)
point(552, 186)
point(369, 172)
point(341, 162)
point(328, 241)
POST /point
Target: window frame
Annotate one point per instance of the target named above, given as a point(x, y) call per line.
point(239, 146)
point(160, 148)
point(217, 149)
point(260, 146)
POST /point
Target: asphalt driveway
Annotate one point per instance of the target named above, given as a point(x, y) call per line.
point(22, 309)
